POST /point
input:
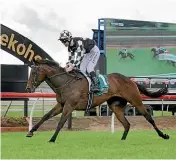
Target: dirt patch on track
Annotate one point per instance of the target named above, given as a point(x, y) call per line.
point(95, 123)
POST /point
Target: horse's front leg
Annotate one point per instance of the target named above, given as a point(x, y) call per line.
point(154, 55)
point(121, 58)
point(69, 106)
point(57, 109)
point(173, 63)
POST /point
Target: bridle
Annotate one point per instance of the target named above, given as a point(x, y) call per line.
point(36, 77)
point(35, 80)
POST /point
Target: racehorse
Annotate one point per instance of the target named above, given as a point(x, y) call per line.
point(72, 94)
point(156, 53)
point(124, 55)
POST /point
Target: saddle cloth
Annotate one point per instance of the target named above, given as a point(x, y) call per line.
point(103, 86)
point(103, 83)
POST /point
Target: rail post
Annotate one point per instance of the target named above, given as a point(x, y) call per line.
point(25, 107)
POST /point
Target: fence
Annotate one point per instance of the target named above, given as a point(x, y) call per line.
point(171, 100)
point(53, 95)
point(33, 95)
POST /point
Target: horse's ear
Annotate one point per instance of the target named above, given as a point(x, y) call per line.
point(37, 61)
point(34, 62)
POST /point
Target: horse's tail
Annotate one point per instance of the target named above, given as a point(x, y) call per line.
point(152, 94)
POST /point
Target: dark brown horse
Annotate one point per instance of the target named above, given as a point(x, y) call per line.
point(156, 53)
point(72, 94)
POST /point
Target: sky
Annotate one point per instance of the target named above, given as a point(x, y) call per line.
point(43, 20)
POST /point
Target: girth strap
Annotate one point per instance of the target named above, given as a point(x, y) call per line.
point(90, 101)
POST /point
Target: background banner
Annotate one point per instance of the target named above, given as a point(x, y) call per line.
point(140, 48)
point(20, 46)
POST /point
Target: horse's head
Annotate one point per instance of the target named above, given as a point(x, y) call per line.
point(42, 70)
point(153, 50)
point(37, 76)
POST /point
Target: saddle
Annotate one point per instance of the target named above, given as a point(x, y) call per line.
point(103, 81)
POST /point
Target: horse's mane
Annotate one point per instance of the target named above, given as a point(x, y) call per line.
point(51, 63)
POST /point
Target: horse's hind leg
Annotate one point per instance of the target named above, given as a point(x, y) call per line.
point(132, 57)
point(119, 112)
point(140, 106)
point(53, 112)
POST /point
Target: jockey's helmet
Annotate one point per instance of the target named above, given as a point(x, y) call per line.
point(65, 36)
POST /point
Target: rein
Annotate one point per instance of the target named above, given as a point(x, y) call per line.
point(62, 73)
point(58, 74)
point(74, 76)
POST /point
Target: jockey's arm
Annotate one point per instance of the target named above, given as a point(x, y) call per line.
point(71, 58)
point(80, 54)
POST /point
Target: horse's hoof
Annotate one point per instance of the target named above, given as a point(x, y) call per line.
point(30, 134)
point(51, 141)
point(123, 139)
point(166, 136)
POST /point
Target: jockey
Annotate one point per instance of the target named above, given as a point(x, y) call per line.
point(83, 55)
point(160, 49)
point(124, 50)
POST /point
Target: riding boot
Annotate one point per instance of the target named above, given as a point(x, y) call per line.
point(95, 80)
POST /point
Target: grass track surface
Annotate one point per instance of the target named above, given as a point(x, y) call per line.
point(88, 144)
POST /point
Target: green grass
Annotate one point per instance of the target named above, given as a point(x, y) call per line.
point(78, 113)
point(38, 113)
point(159, 113)
point(21, 114)
point(88, 144)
